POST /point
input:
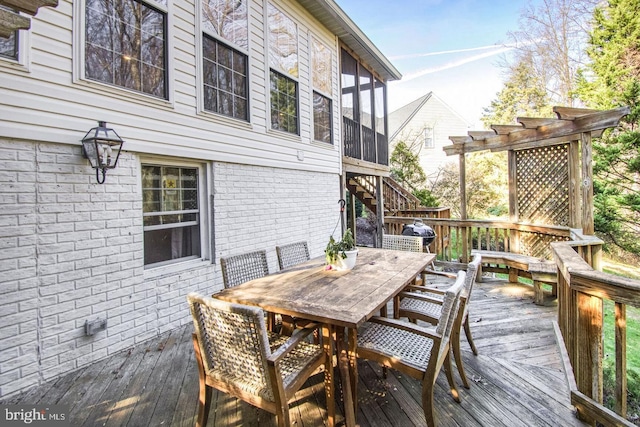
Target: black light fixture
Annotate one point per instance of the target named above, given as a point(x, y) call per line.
point(102, 145)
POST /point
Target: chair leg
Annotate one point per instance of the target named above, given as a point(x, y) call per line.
point(427, 401)
point(204, 405)
point(204, 397)
point(467, 332)
point(448, 367)
point(455, 347)
point(282, 412)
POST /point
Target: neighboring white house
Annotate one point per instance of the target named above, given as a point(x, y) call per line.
point(426, 124)
point(230, 112)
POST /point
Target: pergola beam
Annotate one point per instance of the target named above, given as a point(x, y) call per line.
point(547, 131)
point(28, 6)
point(11, 20)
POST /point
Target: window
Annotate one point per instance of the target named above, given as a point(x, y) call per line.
point(126, 45)
point(428, 138)
point(284, 103)
point(349, 86)
point(366, 96)
point(9, 46)
point(283, 60)
point(322, 129)
point(224, 79)
point(380, 96)
point(225, 68)
point(227, 19)
point(171, 214)
point(321, 65)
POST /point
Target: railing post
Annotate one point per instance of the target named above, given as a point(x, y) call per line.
point(588, 345)
point(464, 256)
point(621, 359)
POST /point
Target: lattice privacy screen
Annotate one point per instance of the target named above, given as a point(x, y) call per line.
point(543, 185)
point(542, 191)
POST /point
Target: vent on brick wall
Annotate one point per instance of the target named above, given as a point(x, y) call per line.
point(93, 326)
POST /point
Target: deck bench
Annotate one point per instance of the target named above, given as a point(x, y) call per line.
point(540, 271)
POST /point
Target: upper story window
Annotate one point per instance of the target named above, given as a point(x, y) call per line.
point(225, 68)
point(429, 141)
point(366, 96)
point(321, 65)
point(380, 106)
point(227, 19)
point(171, 213)
point(349, 85)
point(126, 44)
point(9, 46)
point(283, 61)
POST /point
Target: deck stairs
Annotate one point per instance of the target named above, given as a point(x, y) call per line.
point(396, 197)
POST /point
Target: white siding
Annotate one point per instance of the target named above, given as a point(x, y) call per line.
point(61, 109)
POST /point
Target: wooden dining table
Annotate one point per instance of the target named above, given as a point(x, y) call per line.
point(337, 300)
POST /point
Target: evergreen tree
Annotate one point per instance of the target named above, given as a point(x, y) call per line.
point(613, 80)
point(523, 95)
point(406, 169)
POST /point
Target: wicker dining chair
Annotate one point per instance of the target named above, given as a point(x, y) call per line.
point(238, 356)
point(241, 268)
point(404, 243)
point(292, 254)
point(415, 350)
point(426, 304)
point(237, 269)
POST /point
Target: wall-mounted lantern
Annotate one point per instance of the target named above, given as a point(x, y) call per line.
point(102, 145)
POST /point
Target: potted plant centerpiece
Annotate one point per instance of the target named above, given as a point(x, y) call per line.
point(341, 255)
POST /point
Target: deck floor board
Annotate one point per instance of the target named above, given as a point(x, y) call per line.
point(516, 380)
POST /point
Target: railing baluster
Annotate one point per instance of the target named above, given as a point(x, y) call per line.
point(621, 358)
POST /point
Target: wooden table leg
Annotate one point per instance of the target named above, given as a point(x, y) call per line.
point(346, 378)
point(328, 343)
point(352, 344)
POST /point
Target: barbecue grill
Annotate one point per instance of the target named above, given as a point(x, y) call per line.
point(419, 228)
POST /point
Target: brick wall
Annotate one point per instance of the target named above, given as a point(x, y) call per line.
point(259, 208)
point(71, 250)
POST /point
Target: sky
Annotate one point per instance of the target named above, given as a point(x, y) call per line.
point(448, 47)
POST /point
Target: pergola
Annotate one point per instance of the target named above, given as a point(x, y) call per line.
point(549, 164)
point(11, 19)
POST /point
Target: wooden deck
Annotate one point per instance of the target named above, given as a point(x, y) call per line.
point(516, 380)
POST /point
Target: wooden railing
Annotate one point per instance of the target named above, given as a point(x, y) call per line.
point(581, 292)
point(383, 149)
point(369, 147)
point(455, 238)
point(363, 143)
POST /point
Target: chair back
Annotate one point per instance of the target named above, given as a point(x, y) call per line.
point(234, 343)
point(472, 271)
point(292, 254)
point(402, 243)
point(450, 305)
point(238, 269)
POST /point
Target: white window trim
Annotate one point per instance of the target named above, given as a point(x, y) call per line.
point(204, 190)
point(78, 58)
